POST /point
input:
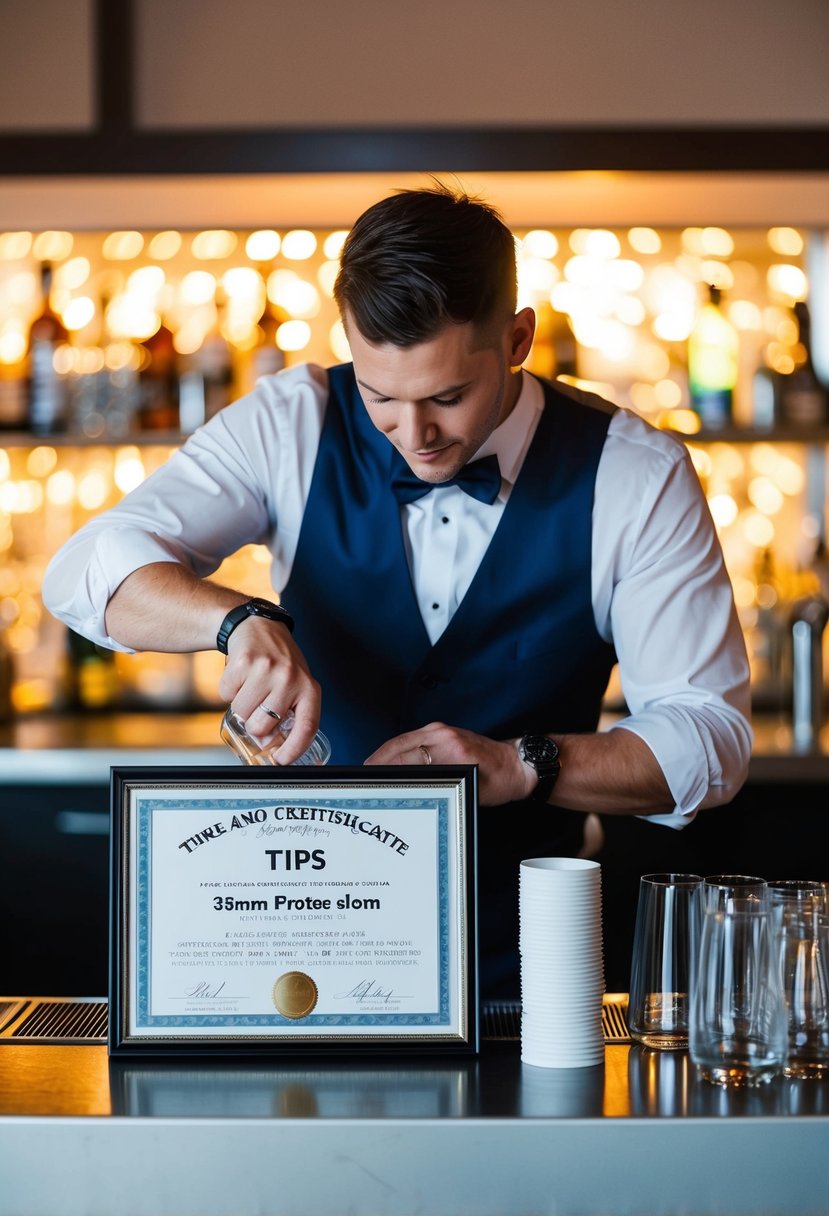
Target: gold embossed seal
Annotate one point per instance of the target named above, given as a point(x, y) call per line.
point(295, 994)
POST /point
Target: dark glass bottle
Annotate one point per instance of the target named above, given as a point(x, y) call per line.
point(158, 381)
point(93, 682)
point(802, 400)
point(48, 391)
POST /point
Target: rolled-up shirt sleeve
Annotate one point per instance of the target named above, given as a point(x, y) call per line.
point(218, 493)
point(663, 597)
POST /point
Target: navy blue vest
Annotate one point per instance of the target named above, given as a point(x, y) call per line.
point(521, 653)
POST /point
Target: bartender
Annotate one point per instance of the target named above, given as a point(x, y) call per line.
point(461, 550)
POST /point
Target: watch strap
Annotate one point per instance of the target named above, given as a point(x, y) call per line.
point(254, 607)
point(541, 754)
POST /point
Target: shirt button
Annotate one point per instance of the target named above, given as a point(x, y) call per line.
point(428, 681)
point(436, 606)
point(444, 519)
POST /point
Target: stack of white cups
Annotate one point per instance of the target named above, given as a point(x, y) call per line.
point(562, 967)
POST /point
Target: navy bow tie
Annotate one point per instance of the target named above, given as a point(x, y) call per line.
point(481, 479)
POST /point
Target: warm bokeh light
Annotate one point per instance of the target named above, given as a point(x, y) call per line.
point(53, 246)
point(243, 284)
point(262, 246)
point(644, 240)
point(165, 245)
point(129, 469)
point(539, 243)
point(13, 344)
point(60, 488)
point(785, 279)
point(130, 317)
point(14, 246)
point(765, 495)
point(122, 246)
point(93, 490)
point(757, 529)
point(786, 241)
point(78, 313)
point(333, 244)
point(326, 277)
point(723, 509)
point(339, 343)
point(299, 244)
point(295, 295)
point(147, 281)
point(197, 287)
point(73, 274)
point(213, 244)
point(293, 335)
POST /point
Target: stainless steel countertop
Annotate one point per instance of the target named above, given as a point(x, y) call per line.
point(55, 749)
point(82, 1135)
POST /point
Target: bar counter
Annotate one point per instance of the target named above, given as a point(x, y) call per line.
point(82, 1135)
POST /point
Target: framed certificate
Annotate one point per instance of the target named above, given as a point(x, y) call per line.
point(296, 910)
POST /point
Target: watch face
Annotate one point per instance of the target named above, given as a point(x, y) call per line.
point(538, 750)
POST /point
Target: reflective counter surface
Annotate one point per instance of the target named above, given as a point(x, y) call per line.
point(641, 1134)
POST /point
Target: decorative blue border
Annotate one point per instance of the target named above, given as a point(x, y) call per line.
point(145, 809)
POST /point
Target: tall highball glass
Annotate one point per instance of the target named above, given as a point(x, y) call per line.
point(664, 962)
point(738, 1032)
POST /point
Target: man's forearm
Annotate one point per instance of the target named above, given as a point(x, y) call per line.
point(615, 773)
point(165, 607)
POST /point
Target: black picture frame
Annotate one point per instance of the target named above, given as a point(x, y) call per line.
point(140, 798)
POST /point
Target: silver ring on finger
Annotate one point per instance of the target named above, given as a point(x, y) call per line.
point(271, 712)
point(427, 755)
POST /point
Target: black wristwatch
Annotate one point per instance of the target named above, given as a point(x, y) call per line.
point(272, 612)
point(541, 754)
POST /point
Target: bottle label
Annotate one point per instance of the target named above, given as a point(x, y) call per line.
point(13, 403)
point(714, 406)
point(48, 398)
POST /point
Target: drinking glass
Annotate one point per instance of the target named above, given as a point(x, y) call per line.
point(801, 932)
point(251, 751)
point(737, 1033)
point(664, 962)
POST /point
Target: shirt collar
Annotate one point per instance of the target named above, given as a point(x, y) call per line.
point(510, 441)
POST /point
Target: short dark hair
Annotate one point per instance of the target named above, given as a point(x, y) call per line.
point(422, 259)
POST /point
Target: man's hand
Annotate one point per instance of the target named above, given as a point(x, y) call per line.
point(611, 772)
point(266, 667)
point(164, 607)
point(502, 775)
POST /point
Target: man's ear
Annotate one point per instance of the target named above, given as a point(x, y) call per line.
point(521, 337)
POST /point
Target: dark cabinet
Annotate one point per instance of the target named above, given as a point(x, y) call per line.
point(54, 884)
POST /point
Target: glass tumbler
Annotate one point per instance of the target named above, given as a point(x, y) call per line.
point(664, 962)
point(801, 933)
point(252, 751)
point(738, 1032)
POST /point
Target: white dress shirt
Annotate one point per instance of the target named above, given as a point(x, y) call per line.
point(660, 591)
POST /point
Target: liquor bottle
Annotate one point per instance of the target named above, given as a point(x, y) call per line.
point(267, 358)
point(47, 395)
point(158, 383)
point(713, 349)
point(93, 682)
point(213, 363)
point(14, 411)
point(802, 400)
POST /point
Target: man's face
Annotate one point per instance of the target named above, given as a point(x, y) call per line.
point(437, 402)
